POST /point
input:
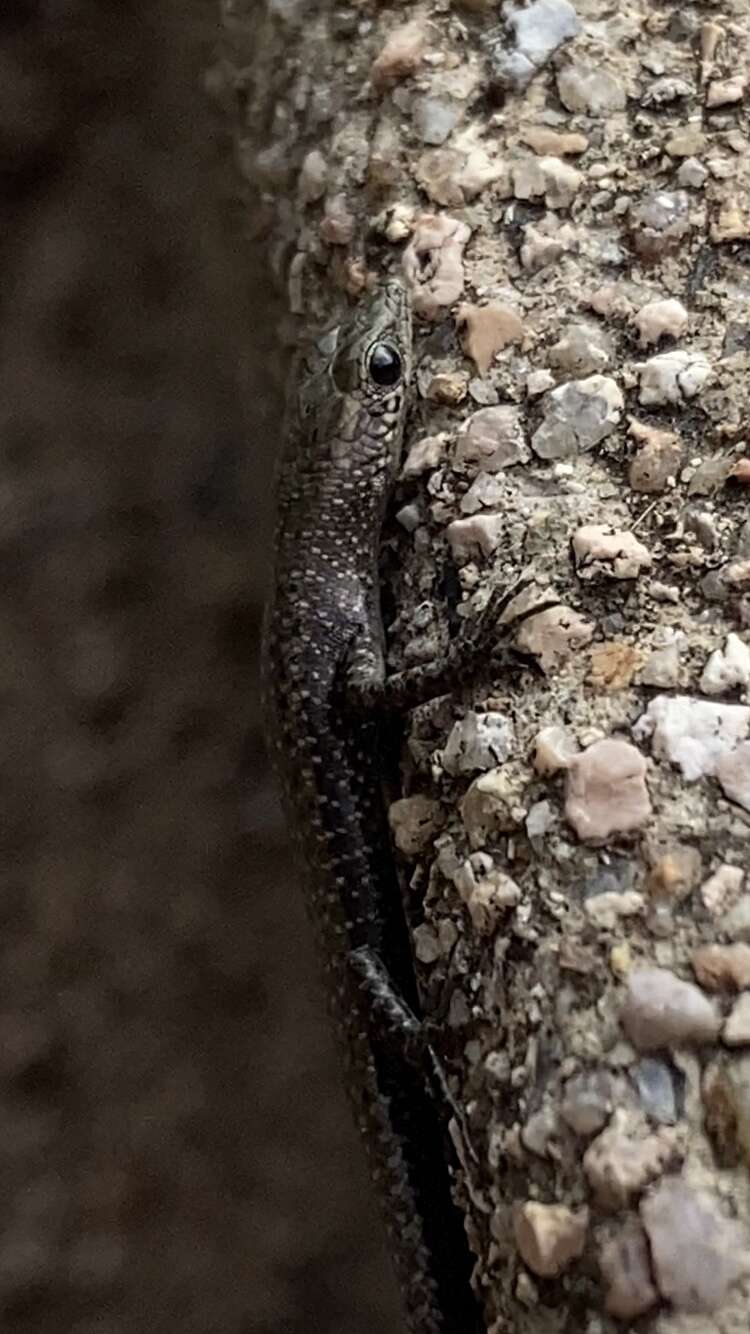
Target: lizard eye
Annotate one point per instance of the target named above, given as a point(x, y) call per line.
point(384, 365)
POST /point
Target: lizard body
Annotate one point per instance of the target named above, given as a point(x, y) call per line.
point(324, 656)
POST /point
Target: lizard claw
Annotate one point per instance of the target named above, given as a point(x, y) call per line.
point(487, 636)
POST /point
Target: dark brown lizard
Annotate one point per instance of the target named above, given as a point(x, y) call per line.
point(325, 685)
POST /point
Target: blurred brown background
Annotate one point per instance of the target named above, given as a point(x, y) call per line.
point(174, 1149)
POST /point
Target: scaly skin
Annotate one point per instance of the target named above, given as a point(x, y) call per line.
point(324, 663)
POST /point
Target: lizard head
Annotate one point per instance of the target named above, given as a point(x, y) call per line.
point(360, 399)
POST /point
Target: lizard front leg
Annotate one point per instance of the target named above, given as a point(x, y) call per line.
point(483, 641)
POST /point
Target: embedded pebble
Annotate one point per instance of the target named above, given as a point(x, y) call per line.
point(574, 958)
point(736, 924)
point(654, 1082)
point(396, 222)
point(741, 471)
point(664, 592)
point(486, 492)
point(658, 319)
point(578, 415)
point(659, 222)
point(537, 31)
point(615, 875)
point(611, 302)
point(481, 533)
point(355, 276)
point(736, 1031)
point(554, 748)
point(710, 475)
point(424, 455)
point(433, 263)
point(722, 888)
point(540, 819)
point(528, 179)
point(546, 242)
point(337, 225)
point(414, 823)
point(703, 524)
point(613, 665)
point(549, 178)
point(426, 944)
point(448, 935)
point(491, 805)
point(697, 1253)
point(554, 635)
point(674, 871)
point(627, 1156)
point(435, 118)
point(673, 377)
point(587, 1101)
point(384, 162)
point(722, 967)
point(583, 350)
point(737, 574)
point(617, 553)
point(447, 387)
point(401, 54)
point(480, 169)
point(452, 176)
point(725, 1096)
point(692, 174)
point(661, 1010)
point(733, 772)
point(483, 393)
point(487, 330)
point(724, 91)
point(590, 89)
point(665, 90)
point(626, 1271)
point(662, 667)
point(547, 142)
point(489, 898)
point(732, 222)
point(686, 141)
point(657, 461)
point(726, 668)
point(492, 439)
point(410, 517)
point(539, 1131)
point(538, 382)
point(478, 741)
point(693, 733)
point(606, 790)
point(549, 1236)
point(605, 910)
point(466, 874)
point(313, 177)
